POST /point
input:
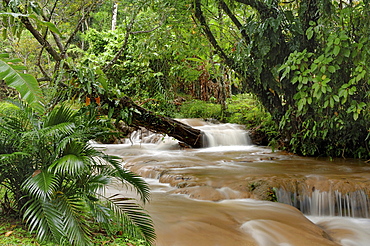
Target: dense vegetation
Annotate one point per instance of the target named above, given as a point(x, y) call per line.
point(307, 62)
point(298, 70)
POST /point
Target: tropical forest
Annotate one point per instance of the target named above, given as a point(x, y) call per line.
point(185, 122)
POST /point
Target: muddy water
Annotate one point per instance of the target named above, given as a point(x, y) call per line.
point(219, 195)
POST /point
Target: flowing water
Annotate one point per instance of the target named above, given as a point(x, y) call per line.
point(234, 193)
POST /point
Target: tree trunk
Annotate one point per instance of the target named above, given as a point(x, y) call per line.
point(156, 123)
point(114, 15)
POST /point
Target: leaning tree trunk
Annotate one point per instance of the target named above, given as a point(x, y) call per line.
point(156, 123)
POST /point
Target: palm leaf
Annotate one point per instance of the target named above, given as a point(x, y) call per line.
point(128, 177)
point(136, 222)
point(25, 84)
point(61, 130)
point(42, 185)
point(12, 157)
point(69, 164)
point(74, 160)
point(60, 115)
point(44, 218)
point(72, 207)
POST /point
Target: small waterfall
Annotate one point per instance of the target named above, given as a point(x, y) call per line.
point(317, 202)
point(225, 135)
point(215, 134)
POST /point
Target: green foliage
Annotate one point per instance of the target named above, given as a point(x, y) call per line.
point(25, 84)
point(56, 177)
point(200, 109)
point(332, 99)
point(246, 110)
point(307, 63)
point(14, 233)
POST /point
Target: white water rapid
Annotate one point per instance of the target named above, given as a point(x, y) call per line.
point(218, 196)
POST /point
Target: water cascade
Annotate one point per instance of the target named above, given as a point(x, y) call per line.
point(327, 203)
point(215, 134)
point(227, 183)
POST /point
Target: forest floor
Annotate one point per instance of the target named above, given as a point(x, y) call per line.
point(13, 232)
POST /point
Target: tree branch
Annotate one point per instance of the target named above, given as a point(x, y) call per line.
point(125, 42)
point(123, 47)
point(263, 9)
point(73, 34)
point(234, 20)
point(207, 31)
point(26, 22)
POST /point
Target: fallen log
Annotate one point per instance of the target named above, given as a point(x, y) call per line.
point(139, 116)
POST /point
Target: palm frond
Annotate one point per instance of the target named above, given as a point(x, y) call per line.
point(60, 115)
point(41, 185)
point(136, 222)
point(59, 130)
point(95, 182)
point(100, 213)
point(128, 177)
point(12, 157)
point(44, 218)
point(75, 158)
point(26, 84)
point(69, 165)
point(73, 209)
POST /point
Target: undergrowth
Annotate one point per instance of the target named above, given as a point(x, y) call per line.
point(13, 232)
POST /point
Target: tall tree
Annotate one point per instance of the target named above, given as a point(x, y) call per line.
point(305, 62)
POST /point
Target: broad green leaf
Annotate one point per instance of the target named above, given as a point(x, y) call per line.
point(355, 115)
point(336, 98)
point(336, 50)
point(346, 52)
point(25, 84)
point(309, 33)
point(331, 69)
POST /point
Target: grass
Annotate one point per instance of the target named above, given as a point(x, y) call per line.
point(13, 232)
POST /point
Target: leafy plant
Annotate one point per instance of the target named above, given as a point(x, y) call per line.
point(25, 84)
point(200, 109)
point(57, 178)
point(306, 62)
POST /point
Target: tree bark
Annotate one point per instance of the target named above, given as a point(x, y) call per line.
point(114, 15)
point(139, 116)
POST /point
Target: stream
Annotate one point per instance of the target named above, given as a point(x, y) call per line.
point(234, 193)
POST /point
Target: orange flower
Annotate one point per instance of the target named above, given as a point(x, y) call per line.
point(87, 102)
point(97, 100)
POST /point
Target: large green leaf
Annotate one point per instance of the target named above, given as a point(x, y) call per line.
point(25, 84)
point(45, 219)
point(41, 185)
point(128, 177)
point(136, 221)
point(72, 207)
point(48, 24)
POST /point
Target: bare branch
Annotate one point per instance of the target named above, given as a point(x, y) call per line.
point(38, 63)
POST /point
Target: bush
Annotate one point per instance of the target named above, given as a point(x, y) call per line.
point(200, 109)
